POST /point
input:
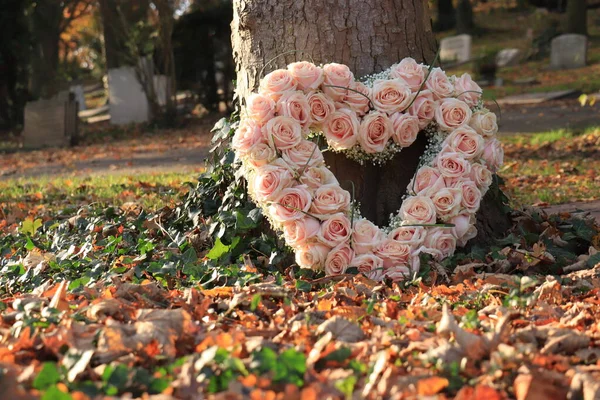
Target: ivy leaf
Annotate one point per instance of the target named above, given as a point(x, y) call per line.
point(303, 286)
point(30, 226)
point(593, 260)
point(220, 249)
point(48, 376)
point(54, 393)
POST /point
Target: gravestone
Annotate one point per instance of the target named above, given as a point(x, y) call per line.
point(508, 57)
point(79, 93)
point(127, 99)
point(568, 51)
point(51, 122)
point(456, 49)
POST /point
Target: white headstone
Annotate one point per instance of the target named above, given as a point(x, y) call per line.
point(77, 90)
point(456, 48)
point(50, 122)
point(127, 99)
point(568, 51)
point(508, 57)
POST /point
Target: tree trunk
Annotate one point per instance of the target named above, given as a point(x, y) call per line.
point(446, 18)
point(368, 37)
point(577, 17)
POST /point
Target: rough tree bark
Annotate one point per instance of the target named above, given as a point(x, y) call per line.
point(368, 36)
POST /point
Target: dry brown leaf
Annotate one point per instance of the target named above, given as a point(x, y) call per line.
point(342, 329)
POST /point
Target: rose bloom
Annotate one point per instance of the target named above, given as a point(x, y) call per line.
point(304, 155)
point(321, 107)
point(398, 273)
point(374, 132)
point(277, 82)
point(393, 253)
point(452, 165)
point(335, 230)
point(369, 265)
point(337, 75)
point(410, 235)
point(441, 243)
point(247, 135)
point(316, 177)
point(439, 84)
point(484, 123)
point(461, 223)
point(357, 102)
point(283, 132)
point(260, 108)
point(467, 90)
point(269, 181)
point(471, 233)
point(339, 259)
point(312, 256)
point(390, 96)
point(295, 105)
point(307, 74)
point(341, 129)
point(405, 128)
point(493, 155)
point(260, 154)
point(330, 199)
point(418, 210)
point(471, 195)
point(425, 178)
point(447, 201)
point(481, 176)
point(292, 203)
point(452, 114)
point(366, 236)
point(465, 141)
point(297, 232)
point(423, 108)
point(410, 72)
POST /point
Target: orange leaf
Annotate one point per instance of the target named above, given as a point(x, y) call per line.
point(432, 385)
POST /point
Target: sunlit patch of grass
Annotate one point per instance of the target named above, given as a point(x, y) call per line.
point(541, 138)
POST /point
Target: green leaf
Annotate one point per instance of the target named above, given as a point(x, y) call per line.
point(29, 246)
point(54, 393)
point(303, 286)
point(593, 260)
point(218, 250)
point(255, 302)
point(346, 386)
point(48, 376)
point(339, 355)
point(30, 226)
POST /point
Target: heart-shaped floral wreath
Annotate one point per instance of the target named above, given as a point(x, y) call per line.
point(370, 121)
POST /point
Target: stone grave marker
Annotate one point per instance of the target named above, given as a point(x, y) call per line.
point(51, 122)
point(568, 51)
point(127, 99)
point(456, 49)
point(508, 57)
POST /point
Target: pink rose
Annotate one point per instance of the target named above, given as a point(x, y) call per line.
point(277, 83)
point(374, 132)
point(462, 223)
point(335, 230)
point(321, 107)
point(312, 256)
point(452, 165)
point(471, 195)
point(291, 203)
point(423, 108)
point(260, 108)
point(295, 105)
point(297, 232)
point(304, 155)
point(452, 114)
point(410, 235)
point(338, 259)
point(308, 75)
point(366, 236)
point(466, 142)
point(283, 132)
point(447, 202)
point(269, 181)
point(426, 178)
point(471, 233)
point(439, 84)
point(405, 128)
point(398, 273)
point(481, 176)
point(484, 123)
point(357, 102)
point(330, 199)
point(247, 135)
point(316, 177)
point(341, 129)
point(260, 154)
point(439, 243)
point(493, 155)
point(337, 75)
point(410, 72)
point(369, 265)
point(390, 96)
point(418, 210)
point(467, 90)
point(393, 253)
